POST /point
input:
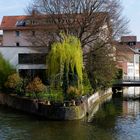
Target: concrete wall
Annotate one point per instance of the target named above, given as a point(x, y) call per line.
point(53, 112)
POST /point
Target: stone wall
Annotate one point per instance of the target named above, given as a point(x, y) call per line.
point(52, 112)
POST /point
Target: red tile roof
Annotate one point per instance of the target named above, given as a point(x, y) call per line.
point(9, 22)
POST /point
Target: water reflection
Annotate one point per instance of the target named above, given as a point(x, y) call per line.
point(113, 119)
point(131, 108)
point(119, 119)
point(96, 107)
point(131, 92)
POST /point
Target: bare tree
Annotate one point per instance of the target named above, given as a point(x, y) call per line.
point(89, 20)
point(95, 22)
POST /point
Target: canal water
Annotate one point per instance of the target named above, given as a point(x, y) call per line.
point(114, 119)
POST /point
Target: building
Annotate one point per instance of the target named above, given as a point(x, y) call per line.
point(127, 54)
point(20, 33)
point(18, 50)
point(1, 40)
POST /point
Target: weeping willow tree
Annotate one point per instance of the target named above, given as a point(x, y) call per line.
point(66, 60)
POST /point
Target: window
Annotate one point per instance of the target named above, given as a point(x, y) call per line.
point(17, 44)
point(17, 33)
point(20, 23)
point(32, 73)
point(35, 58)
point(130, 71)
point(131, 43)
point(33, 33)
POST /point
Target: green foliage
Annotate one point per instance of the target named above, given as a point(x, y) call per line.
point(87, 88)
point(53, 95)
point(119, 74)
point(101, 66)
point(21, 87)
point(66, 60)
point(68, 53)
point(5, 70)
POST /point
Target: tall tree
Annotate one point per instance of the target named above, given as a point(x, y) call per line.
point(95, 22)
point(66, 61)
point(101, 67)
point(89, 20)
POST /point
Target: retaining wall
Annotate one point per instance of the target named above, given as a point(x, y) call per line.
point(53, 112)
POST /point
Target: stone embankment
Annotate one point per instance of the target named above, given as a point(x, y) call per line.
point(54, 111)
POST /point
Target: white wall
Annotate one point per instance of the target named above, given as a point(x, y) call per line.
point(133, 68)
point(11, 54)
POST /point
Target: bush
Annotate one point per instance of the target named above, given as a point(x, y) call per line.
point(36, 86)
point(73, 93)
point(87, 88)
point(54, 96)
point(13, 81)
point(6, 69)
point(21, 87)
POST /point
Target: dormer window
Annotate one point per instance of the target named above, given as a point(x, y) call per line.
point(20, 23)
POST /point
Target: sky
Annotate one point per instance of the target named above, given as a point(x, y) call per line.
point(13, 7)
point(131, 11)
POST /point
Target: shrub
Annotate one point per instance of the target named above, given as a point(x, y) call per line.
point(73, 93)
point(36, 86)
point(87, 88)
point(13, 81)
point(6, 69)
point(21, 87)
point(54, 96)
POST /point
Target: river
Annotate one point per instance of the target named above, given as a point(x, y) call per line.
point(115, 119)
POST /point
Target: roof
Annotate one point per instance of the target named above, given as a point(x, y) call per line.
point(123, 48)
point(128, 39)
point(14, 22)
point(10, 22)
point(124, 52)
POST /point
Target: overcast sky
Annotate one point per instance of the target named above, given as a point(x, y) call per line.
point(131, 11)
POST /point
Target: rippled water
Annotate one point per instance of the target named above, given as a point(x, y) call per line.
point(113, 120)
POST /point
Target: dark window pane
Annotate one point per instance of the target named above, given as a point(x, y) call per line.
point(32, 73)
point(17, 33)
point(17, 44)
point(35, 58)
